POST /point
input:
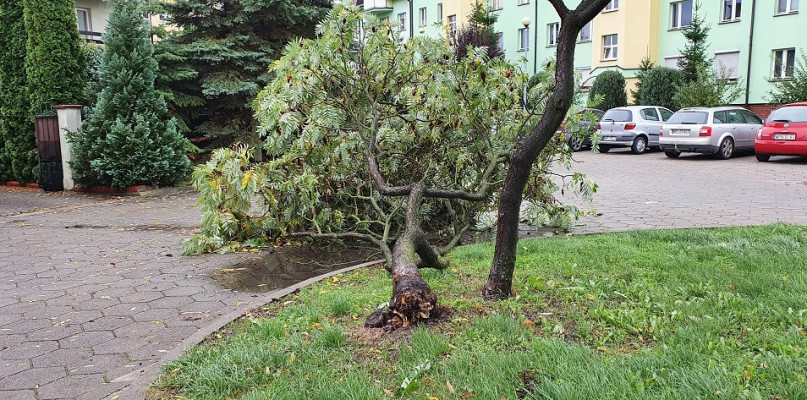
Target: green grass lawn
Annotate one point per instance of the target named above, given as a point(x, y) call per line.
point(672, 314)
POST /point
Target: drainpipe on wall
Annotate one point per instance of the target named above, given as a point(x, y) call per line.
point(535, 42)
point(411, 19)
point(750, 51)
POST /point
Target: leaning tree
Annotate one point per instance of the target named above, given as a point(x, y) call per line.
point(399, 144)
point(534, 144)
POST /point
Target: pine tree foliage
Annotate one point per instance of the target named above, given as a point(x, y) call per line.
point(709, 89)
point(128, 139)
point(229, 44)
point(479, 32)
point(644, 67)
point(660, 86)
point(695, 54)
point(18, 157)
point(791, 90)
point(611, 86)
point(55, 62)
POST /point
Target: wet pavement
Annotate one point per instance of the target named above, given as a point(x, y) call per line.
point(93, 288)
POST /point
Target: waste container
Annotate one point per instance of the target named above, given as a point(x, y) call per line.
point(50, 153)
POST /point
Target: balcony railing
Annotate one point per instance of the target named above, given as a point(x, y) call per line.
point(375, 5)
point(92, 37)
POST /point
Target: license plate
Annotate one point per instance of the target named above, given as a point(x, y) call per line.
point(784, 136)
point(609, 138)
point(679, 132)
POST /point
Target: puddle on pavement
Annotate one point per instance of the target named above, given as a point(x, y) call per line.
point(279, 268)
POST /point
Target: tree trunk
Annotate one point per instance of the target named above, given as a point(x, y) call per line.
point(500, 279)
point(412, 298)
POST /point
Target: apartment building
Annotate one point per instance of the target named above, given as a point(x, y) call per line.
point(755, 41)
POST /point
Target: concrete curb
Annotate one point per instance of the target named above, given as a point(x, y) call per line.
point(142, 378)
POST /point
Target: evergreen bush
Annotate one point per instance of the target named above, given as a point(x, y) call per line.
point(611, 85)
point(126, 139)
point(55, 61)
point(18, 157)
point(660, 86)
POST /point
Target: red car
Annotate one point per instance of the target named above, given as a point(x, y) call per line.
point(784, 133)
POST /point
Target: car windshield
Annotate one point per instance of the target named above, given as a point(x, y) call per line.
point(617, 116)
point(789, 114)
point(689, 118)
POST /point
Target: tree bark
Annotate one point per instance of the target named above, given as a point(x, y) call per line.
point(412, 298)
point(500, 279)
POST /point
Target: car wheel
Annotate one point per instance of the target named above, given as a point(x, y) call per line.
point(763, 157)
point(672, 153)
point(639, 145)
point(604, 149)
point(576, 144)
point(726, 149)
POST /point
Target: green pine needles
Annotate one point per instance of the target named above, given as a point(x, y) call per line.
point(18, 158)
point(55, 61)
point(128, 138)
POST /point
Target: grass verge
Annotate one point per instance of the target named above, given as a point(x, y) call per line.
point(671, 314)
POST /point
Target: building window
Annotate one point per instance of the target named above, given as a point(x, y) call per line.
point(612, 5)
point(402, 21)
point(440, 12)
point(522, 2)
point(609, 47)
point(83, 19)
point(523, 39)
point(585, 73)
point(783, 62)
point(681, 14)
point(165, 17)
point(787, 6)
point(500, 41)
point(585, 33)
point(553, 34)
point(423, 16)
point(727, 64)
point(672, 62)
point(452, 24)
point(497, 4)
point(731, 10)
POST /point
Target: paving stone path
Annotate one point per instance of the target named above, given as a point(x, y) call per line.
point(93, 288)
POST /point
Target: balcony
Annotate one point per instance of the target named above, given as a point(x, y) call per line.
point(91, 37)
point(375, 5)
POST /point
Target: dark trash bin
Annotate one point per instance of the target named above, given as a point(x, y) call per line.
point(50, 153)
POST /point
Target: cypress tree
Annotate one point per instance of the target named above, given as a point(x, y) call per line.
point(55, 62)
point(18, 158)
point(230, 44)
point(128, 138)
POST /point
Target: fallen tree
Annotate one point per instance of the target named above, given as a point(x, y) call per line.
point(401, 145)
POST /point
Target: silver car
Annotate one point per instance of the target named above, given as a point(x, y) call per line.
point(720, 131)
point(636, 127)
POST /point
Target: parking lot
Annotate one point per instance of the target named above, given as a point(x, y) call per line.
point(652, 191)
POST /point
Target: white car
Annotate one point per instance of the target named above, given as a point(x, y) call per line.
point(636, 127)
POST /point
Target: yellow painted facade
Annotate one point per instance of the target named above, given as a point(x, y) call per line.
point(460, 8)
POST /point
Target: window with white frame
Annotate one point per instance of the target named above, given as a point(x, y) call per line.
point(585, 33)
point(402, 21)
point(732, 10)
point(672, 62)
point(585, 73)
point(440, 12)
point(726, 65)
point(497, 4)
point(452, 24)
point(83, 19)
point(612, 5)
point(784, 61)
point(787, 6)
point(522, 2)
point(423, 16)
point(681, 14)
point(524, 39)
point(552, 38)
point(609, 47)
point(500, 41)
